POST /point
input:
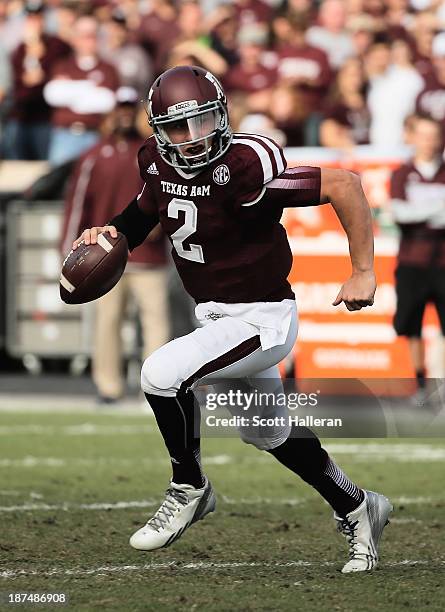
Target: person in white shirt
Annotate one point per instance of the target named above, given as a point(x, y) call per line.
point(394, 85)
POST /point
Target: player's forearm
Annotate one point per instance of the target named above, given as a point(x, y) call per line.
point(344, 190)
point(134, 224)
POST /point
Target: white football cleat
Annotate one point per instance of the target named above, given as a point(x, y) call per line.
point(183, 506)
point(363, 528)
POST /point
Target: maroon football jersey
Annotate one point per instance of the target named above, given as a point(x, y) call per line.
point(420, 245)
point(224, 221)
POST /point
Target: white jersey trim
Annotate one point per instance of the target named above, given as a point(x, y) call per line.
point(263, 154)
point(139, 196)
point(263, 191)
point(275, 150)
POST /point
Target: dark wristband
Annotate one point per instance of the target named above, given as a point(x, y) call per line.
point(134, 224)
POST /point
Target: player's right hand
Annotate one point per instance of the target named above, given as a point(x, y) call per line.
point(90, 235)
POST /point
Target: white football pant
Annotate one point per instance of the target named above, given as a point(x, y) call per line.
point(225, 348)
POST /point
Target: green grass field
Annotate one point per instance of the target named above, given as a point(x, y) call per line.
point(74, 487)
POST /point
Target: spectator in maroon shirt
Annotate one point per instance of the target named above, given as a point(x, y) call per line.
point(347, 117)
point(157, 31)
point(81, 91)
point(252, 11)
point(432, 99)
point(299, 64)
point(130, 60)
point(302, 67)
point(28, 129)
point(249, 84)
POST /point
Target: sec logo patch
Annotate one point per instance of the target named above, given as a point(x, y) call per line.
point(221, 174)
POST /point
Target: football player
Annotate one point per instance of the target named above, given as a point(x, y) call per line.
point(219, 197)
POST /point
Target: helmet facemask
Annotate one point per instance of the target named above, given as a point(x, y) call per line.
point(205, 125)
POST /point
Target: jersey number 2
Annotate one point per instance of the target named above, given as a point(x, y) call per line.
point(194, 252)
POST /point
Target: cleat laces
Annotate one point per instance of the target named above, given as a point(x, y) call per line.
point(174, 501)
point(349, 529)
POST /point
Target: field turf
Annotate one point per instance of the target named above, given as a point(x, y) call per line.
point(73, 488)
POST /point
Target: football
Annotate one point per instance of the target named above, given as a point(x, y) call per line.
point(92, 270)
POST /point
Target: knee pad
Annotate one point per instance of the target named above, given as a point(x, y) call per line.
point(265, 437)
point(159, 375)
point(268, 425)
point(266, 443)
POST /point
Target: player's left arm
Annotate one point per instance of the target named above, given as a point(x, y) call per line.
point(310, 186)
point(343, 189)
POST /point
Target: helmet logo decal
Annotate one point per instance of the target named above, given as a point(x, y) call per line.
point(221, 174)
point(175, 108)
point(149, 109)
point(217, 84)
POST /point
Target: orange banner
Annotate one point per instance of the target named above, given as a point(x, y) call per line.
point(333, 342)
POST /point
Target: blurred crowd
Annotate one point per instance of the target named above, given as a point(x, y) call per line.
point(334, 73)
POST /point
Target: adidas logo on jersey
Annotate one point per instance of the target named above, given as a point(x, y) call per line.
point(152, 169)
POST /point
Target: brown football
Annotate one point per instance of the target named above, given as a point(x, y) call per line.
point(92, 270)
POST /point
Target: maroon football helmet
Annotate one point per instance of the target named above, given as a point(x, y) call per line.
point(187, 109)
